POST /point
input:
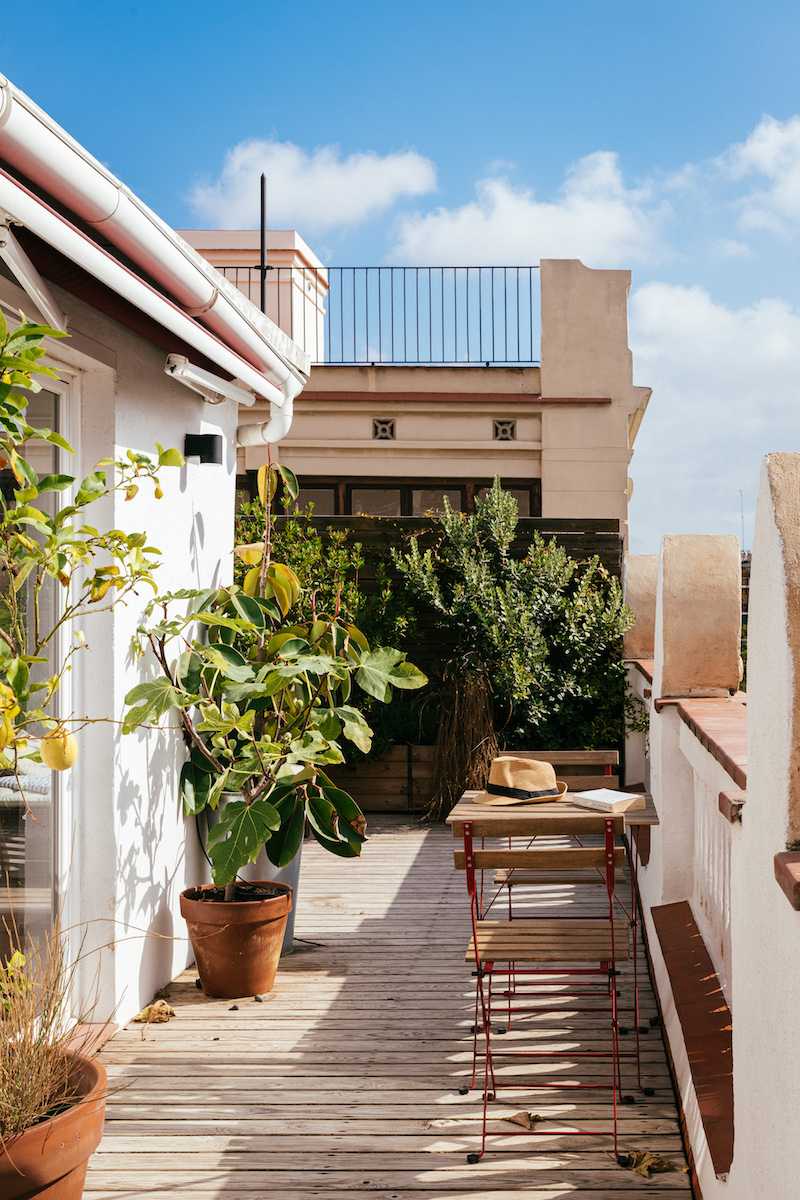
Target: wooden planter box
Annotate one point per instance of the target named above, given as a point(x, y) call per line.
point(399, 781)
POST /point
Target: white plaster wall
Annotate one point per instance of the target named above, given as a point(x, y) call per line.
point(766, 930)
point(685, 781)
point(710, 896)
point(668, 875)
point(750, 930)
point(133, 852)
point(637, 766)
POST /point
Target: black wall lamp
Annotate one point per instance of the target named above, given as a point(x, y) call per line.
point(206, 447)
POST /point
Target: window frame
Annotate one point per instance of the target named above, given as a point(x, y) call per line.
point(343, 489)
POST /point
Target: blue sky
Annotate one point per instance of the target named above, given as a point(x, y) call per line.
point(624, 134)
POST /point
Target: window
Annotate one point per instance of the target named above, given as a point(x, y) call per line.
point(431, 500)
point(323, 499)
point(528, 496)
point(523, 499)
point(27, 823)
point(376, 501)
point(387, 497)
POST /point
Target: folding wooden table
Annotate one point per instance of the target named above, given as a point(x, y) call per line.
point(552, 819)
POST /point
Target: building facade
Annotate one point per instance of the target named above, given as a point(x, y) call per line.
point(423, 389)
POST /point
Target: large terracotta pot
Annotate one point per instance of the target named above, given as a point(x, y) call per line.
point(237, 943)
point(48, 1162)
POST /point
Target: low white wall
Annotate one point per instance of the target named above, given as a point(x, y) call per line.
point(727, 871)
point(637, 763)
point(766, 929)
point(710, 894)
point(689, 860)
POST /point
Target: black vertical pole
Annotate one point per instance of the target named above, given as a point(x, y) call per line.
point(263, 263)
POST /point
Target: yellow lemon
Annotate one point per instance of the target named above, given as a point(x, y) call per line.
point(8, 710)
point(59, 750)
point(6, 731)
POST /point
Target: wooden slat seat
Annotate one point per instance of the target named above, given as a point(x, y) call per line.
point(540, 860)
point(518, 876)
point(550, 940)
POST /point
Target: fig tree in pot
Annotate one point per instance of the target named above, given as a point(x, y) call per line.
point(263, 702)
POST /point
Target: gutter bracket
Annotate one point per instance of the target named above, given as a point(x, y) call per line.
point(26, 274)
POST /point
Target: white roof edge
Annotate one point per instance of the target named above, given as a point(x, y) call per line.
point(36, 146)
point(23, 206)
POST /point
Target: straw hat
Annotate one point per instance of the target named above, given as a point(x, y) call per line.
point(520, 781)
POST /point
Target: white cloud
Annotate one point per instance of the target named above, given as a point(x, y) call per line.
point(595, 217)
point(726, 391)
point(771, 153)
point(311, 191)
point(731, 248)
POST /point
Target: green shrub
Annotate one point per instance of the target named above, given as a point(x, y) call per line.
point(543, 631)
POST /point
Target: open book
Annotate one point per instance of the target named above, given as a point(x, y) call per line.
point(608, 800)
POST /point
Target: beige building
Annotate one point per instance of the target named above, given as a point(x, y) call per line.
point(431, 381)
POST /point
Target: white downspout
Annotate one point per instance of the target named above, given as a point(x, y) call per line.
point(279, 423)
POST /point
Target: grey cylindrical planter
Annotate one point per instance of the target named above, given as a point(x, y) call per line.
point(262, 868)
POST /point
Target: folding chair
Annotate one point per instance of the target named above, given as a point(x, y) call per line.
point(511, 878)
point(582, 948)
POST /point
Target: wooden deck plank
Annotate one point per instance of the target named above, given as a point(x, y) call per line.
point(344, 1081)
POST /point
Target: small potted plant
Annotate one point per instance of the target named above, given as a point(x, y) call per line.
point(52, 1090)
point(52, 1087)
point(263, 702)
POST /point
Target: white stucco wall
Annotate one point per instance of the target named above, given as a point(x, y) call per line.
point(688, 861)
point(726, 871)
point(766, 929)
point(690, 849)
point(132, 852)
point(637, 761)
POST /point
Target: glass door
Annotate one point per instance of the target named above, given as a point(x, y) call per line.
point(27, 815)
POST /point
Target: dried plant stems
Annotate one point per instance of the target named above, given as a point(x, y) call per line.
point(37, 1033)
point(466, 742)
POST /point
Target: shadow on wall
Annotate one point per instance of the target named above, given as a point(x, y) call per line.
point(156, 858)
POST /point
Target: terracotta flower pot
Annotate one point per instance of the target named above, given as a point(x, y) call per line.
point(48, 1161)
point(237, 943)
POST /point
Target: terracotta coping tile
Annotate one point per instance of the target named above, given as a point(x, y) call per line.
point(731, 805)
point(645, 666)
point(706, 1024)
point(720, 724)
point(787, 873)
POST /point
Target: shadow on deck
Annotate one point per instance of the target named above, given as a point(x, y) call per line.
point(345, 1080)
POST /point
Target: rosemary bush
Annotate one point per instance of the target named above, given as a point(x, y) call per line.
point(542, 635)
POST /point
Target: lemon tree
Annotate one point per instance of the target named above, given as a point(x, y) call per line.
point(54, 546)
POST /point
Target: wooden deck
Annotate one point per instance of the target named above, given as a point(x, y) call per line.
point(344, 1081)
